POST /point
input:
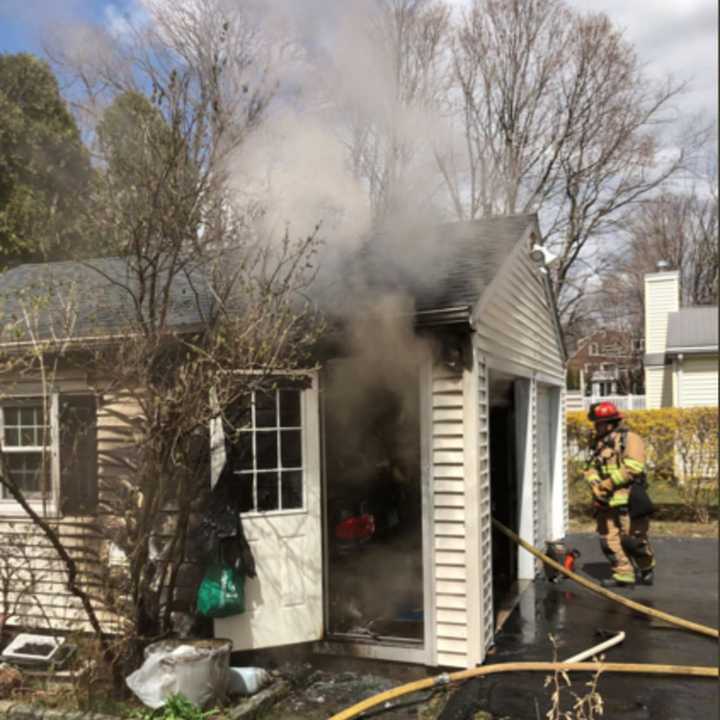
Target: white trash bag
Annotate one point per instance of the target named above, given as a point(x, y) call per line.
point(198, 669)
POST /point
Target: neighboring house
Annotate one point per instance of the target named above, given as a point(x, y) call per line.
point(681, 347)
point(486, 436)
point(608, 362)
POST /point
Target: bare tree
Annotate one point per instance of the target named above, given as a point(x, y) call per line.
point(200, 311)
point(556, 117)
point(679, 228)
point(406, 42)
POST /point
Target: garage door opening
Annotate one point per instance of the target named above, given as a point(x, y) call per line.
point(373, 506)
point(504, 489)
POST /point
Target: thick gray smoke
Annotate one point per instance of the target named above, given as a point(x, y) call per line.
point(342, 146)
point(348, 142)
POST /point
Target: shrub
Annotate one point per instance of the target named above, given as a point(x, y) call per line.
point(681, 446)
point(176, 707)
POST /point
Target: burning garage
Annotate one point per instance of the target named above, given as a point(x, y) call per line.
point(366, 485)
point(438, 403)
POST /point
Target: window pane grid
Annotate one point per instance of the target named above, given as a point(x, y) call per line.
point(24, 428)
point(26, 443)
point(270, 448)
point(27, 470)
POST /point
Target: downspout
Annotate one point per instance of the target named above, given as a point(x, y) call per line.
point(678, 401)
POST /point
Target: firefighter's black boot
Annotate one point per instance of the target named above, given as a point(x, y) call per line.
point(646, 577)
point(619, 580)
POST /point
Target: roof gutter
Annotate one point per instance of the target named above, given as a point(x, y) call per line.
point(94, 341)
point(692, 349)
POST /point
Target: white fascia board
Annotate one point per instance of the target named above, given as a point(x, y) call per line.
point(693, 349)
point(661, 276)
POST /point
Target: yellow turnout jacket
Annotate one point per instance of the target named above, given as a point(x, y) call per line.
point(620, 458)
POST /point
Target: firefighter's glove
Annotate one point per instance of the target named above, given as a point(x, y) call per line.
point(602, 489)
point(591, 475)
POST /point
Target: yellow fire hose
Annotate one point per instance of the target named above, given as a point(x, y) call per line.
point(447, 678)
point(638, 668)
point(593, 587)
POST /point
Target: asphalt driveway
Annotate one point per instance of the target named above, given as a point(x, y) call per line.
point(686, 584)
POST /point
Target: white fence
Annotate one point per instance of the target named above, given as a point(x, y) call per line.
point(575, 401)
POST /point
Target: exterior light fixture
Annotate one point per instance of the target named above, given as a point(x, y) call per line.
point(541, 256)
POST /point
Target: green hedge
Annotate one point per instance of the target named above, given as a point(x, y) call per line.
point(681, 450)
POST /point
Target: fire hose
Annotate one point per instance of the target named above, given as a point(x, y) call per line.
point(447, 678)
point(636, 668)
point(594, 587)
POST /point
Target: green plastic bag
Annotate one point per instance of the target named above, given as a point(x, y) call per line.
point(221, 592)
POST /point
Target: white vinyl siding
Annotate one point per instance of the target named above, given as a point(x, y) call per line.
point(516, 324)
point(449, 518)
point(543, 473)
point(484, 517)
point(662, 297)
point(698, 381)
point(516, 333)
point(658, 387)
point(562, 530)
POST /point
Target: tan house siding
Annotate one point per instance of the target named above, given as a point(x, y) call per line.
point(50, 602)
point(47, 602)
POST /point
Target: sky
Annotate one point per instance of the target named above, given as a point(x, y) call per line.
point(678, 37)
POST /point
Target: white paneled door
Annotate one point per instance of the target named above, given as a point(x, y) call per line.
point(279, 481)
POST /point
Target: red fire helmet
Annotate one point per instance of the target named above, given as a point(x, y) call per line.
point(604, 411)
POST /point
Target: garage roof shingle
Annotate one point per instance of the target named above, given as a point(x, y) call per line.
point(439, 267)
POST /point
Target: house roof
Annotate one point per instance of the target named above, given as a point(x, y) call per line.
point(89, 298)
point(441, 268)
point(444, 269)
point(693, 329)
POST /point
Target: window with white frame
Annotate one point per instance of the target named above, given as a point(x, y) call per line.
point(50, 451)
point(268, 452)
point(27, 447)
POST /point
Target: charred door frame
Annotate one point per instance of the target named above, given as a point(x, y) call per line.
point(423, 654)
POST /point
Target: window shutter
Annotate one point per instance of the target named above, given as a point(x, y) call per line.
point(78, 454)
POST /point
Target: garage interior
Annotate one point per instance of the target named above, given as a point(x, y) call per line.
point(504, 489)
point(373, 504)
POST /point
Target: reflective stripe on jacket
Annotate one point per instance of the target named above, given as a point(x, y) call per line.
point(619, 457)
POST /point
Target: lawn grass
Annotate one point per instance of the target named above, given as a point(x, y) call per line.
point(661, 492)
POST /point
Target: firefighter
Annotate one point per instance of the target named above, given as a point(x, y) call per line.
point(616, 474)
